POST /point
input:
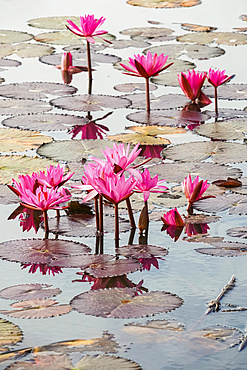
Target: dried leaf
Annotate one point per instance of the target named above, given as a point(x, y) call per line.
point(171, 325)
point(224, 38)
point(227, 336)
point(139, 138)
point(106, 362)
point(156, 130)
point(197, 27)
point(44, 362)
point(228, 183)
point(164, 3)
point(9, 333)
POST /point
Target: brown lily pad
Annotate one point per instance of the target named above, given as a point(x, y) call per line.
point(9, 333)
point(83, 261)
point(229, 337)
point(25, 50)
point(13, 165)
point(171, 325)
point(200, 219)
point(223, 130)
point(139, 138)
point(92, 103)
point(156, 130)
point(15, 140)
point(199, 52)
point(241, 189)
point(228, 183)
point(123, 303)
point(200, 238)
point(8, 36)
point(35, 90)
point(141, 251)
point(220, 203)
point(170, 101)
point(164, 4)
point(37, 309)
point(197, 27)
point(239, 232)
point(224, 38)
point(225, 249)
point(219, 152)
point(24, 292)
point(113, 268)
point(73, 150)
point(131, 87)
point(22, 106)
point(40, 250)
point(229, 91)
point(176, 172)
point(44, 122)
point(108, 362)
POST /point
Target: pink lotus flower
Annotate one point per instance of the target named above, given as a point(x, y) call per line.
point(146, 66)
point(173, 218)
point(191, 84)
point(55, 176)
point(88, 29)
point(90, 130)
point(218, 77)
point(44, 198)
point(146, 185)
point(68, 69)
point(25, 182)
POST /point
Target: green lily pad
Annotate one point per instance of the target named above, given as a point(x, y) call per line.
point(53, 23)
point(123, 303)
point(35, 90)
point(25, 50)
point(219, 152)
point(73, 150)
point(23, 106)
point(229, 91)
point(65, 38)
point(44, 122)
point(164, 4)
point(15, 140)
point(199, 52)
point(225, 38)
point(9, 333)
point(8, 36)
point(139, 138)
point(224, 130)
point(14, 165)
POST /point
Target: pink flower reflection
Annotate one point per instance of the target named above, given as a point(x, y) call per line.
point(151, 151)
point(90, 130)
point(44, 269)
point(148, 262)
point(194, 229)
point(173, 231)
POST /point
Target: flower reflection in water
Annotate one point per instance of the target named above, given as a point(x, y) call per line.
point(44, 269)
point(148, 262)
point(29, 218)
point(90, 130)
point(151, 151)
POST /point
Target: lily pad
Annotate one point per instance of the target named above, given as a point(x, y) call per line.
point(122, 44)
point(201, 219)
point(168, 117)
point(141, 251)
point(65, 37)
point(37, 309)
point(15, 140)
point(199, 52)
point(224, 130)
point(225, 113)
point(156, 130)
point(101, 362)
point(123, 303)
point(4, 62)
point(92, 103)
point(9, 333)
point(219, 152)
point(53, 23)
point(176, 172)
point(219, 204)
point(139, 138)
point(73, 150)
point(43, 362)
point(80, 58)
point(224, 38)
point(23, 106)
point(200, 238)
point(35, 90)
point(171, 325)
point(113, 268)
point(225, 249)
point(131, 87)
point(14, 165)
point(7, 196)
point(44, 122)
point(168, 101)
point(29, 291)
point(25, 50)
point(197, 27)
point(164, 4)
point(229, 91)
point(239, 232)
point(83, 261)
point(230, 337)
point(147, 33)
point(239, 208)
point(8, 36)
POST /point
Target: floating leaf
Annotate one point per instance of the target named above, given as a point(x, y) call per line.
point(83, 261)
point(25, 50)
point(37, 309)
point(82, 47)
point(197, 27)
point(228, 113)
point(22, 106)
point(44, 362)
point(239, 232)
point(73, 150)
point(218, 204)
point(113, 268)
point(9, 62)
point(157, 130)
point(199, 52)
point(14, 165)
point(241, 189)
point(65, 37)
point(53, 23)
point(228, 130)
point(199, 238)
point(44, 122)
point(228, 183)
point(9, 333)
point(84, 225)
point(106, 362)
point(229, 91)
point(225, 335)
point(219, 152)
point(122, 44)
point(141, 251)
point(176, 172)
point(225, 249)
point(24, 292)
point(92, 103)
point(225, 38)
point(164, 3)
point(200, 219)
point(171, 325)
point(165, 117)
point(139, 138)
point(239, 208)
point(123, 303)
point(168, 101)
point(15, 140)
point(7, 196)
point(8, 36)
point(35, 90)
point(147, 33)
point(131, 87)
